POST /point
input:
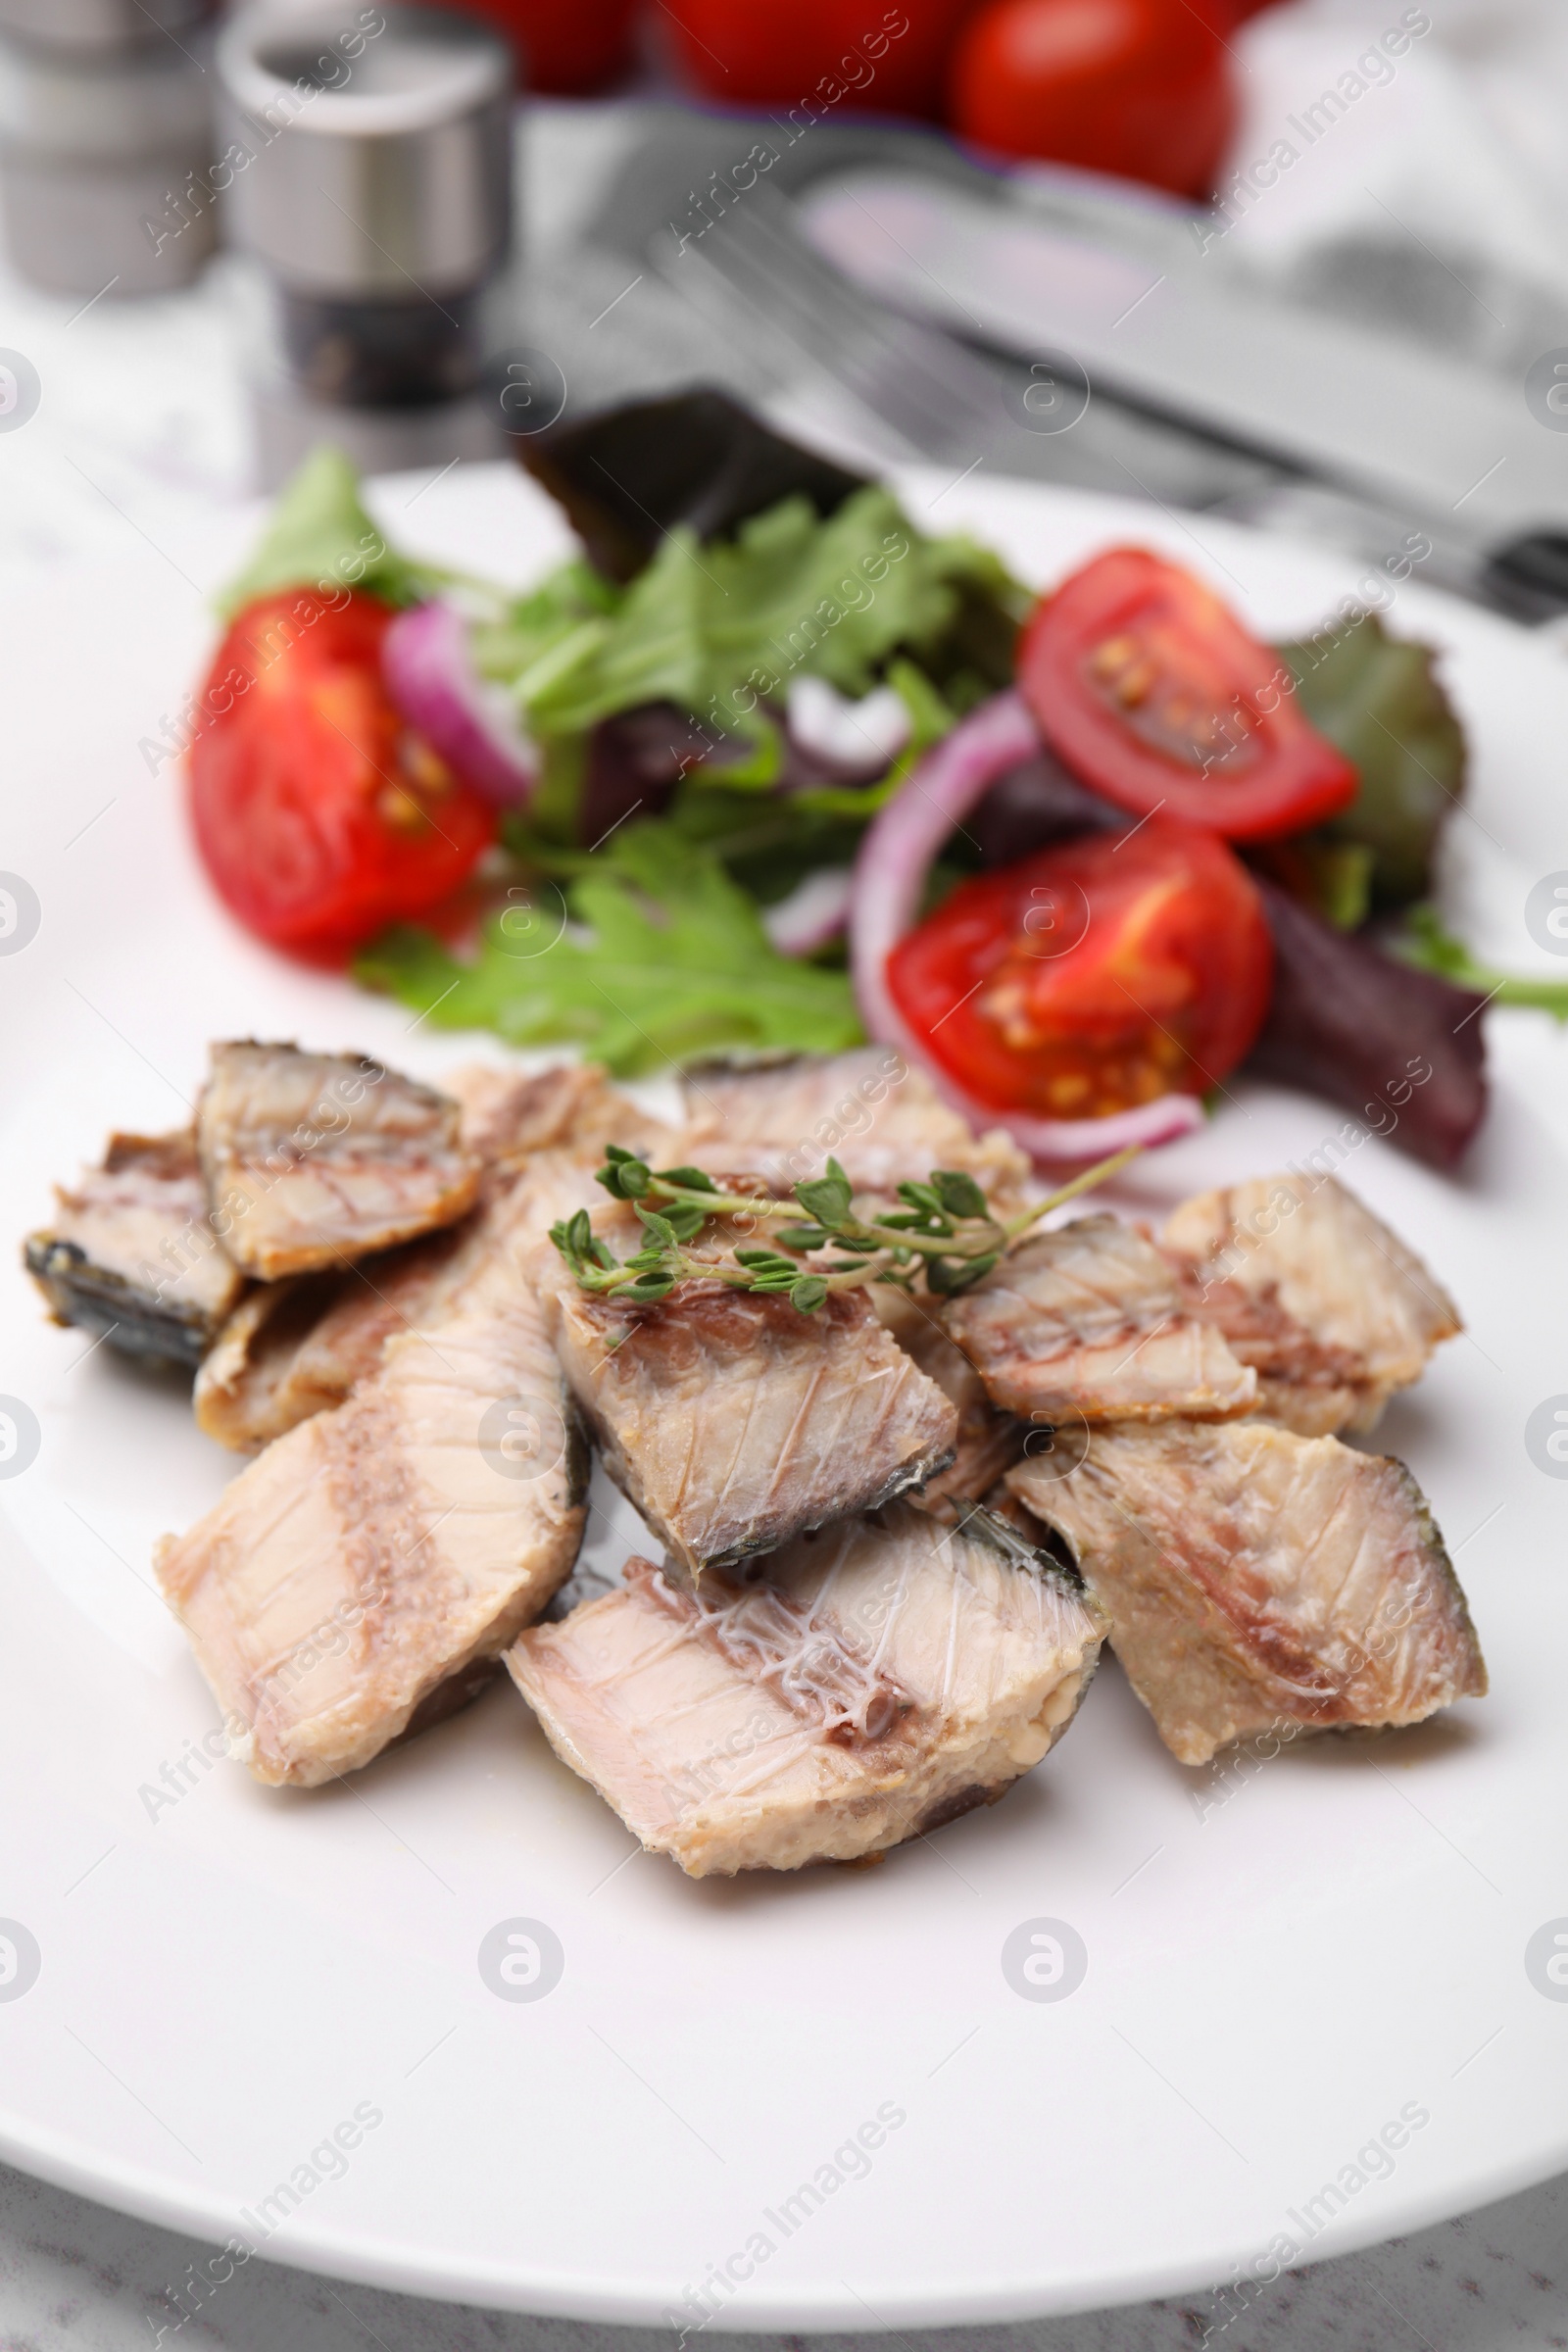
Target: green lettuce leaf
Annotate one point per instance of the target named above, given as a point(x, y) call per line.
point(1430, 948)
point(677, 967)
point(318, 535)
point(1379, 700)
point(713, 628)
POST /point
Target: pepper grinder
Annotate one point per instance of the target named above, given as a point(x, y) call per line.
point(105, 132)
point(371, 195)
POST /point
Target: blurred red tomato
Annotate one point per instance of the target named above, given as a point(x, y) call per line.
point(854, 53)
point(1138, 87)
point(566, 49)
point(320, 815)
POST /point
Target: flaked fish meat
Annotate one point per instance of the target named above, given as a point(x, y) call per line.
point(987, 1440)
point(732, 1421)
point(362, 1571)
point(1089, 1324)
point(573, 1106)
point(313, 1159)
point(1261, 1582)
point(131, 1257)
point(1330, 1306)
point(294, 1349)
point(861, 1687)
point(884, 1123)
point(298, 1348)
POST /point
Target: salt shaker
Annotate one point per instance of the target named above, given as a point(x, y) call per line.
point(105, 129)
point(371, 196)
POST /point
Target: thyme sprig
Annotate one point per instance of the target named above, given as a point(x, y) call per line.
point(945, 1229)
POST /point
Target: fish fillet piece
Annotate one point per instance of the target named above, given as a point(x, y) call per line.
point(294, 1349)
point(987, 1440)
point(312, 1158)
point(858, 1687)
point(131, 1254)
point(732, 1421)
point(1319, 1267)
point(1255, 1580)
point(570, 1106)
point(1312, 1388)
point(368, 1563)
point(884, 1123)
point(1088, 1323)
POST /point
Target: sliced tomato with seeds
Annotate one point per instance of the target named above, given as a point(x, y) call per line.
point(1092, 977)
point(320, 815)
point(1148, 687)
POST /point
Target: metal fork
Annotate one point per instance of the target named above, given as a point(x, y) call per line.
point(918, 393)
point(906, 389)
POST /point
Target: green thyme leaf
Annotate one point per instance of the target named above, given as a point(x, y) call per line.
point(648, 1288)
point(946, 1276)
point(802, 1236)
point(959, 1193)
point(827, 1197)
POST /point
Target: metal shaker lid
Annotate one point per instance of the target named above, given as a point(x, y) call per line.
point(371, 150)
point(100, 25)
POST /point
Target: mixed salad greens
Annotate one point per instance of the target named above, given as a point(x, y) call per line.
point(648, 805)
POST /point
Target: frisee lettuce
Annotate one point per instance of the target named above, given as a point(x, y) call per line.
point(319, 535)
point(676, 966)
point(717, 628)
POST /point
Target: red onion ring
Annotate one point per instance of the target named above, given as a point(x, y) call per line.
point(896, 855)
point(431, 675)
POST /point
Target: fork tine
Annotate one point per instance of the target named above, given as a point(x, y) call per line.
point(932, 395)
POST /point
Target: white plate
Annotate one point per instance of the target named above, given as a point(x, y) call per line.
point(1279, 1965)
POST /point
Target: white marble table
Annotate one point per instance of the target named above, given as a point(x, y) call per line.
point(74, 2278)
point(139, 431)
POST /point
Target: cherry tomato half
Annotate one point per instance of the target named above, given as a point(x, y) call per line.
point(1136, 87)
point(319, 815)
point(808, 55)
point(1092, 977)
point(1152, 692)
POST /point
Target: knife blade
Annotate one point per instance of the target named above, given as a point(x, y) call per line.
point(1440, 440)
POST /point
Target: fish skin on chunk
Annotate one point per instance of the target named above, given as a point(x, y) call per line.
point(1304, 1251)
point(732, 1421)
point(314, 1158)
point(1088, 1323)
point(864, 1686)
point(132, 1253)
point(883, 1122)
point(372, 1559)
point(1255, 1580)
